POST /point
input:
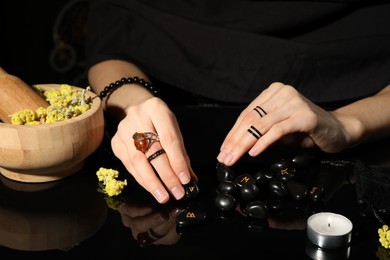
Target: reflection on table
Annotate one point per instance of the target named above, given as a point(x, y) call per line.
point(47, 216)
point(72, 218)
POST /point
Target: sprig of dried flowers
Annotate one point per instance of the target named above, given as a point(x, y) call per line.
point(384, 236)
point(108, 178)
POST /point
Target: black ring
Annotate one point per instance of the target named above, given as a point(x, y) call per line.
point(256, 133)
point(258, 109)
point(144, 239)
point(154, 155)
point(154, 234)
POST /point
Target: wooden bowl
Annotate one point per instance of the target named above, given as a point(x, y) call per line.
point(49, 152)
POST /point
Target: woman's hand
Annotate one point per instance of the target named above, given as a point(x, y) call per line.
point(281, 113)
point(166, 174)
point(149, 226)
point(139, 112)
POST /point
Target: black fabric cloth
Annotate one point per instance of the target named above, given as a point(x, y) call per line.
point(373, 190)
point(230, 50)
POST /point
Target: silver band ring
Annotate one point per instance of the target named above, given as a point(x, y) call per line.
point(156, 154)
point(260, 111)
point(256, 133)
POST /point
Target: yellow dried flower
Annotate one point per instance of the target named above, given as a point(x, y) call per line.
point(384, 236)
point(65, 103)
point(114, 187)
point(105, 174)
point(111, 186)
point(41, 113)
point(54, 115)
point(81, 108)
point(19, 118)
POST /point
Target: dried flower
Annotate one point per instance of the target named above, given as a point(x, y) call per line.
point(111, 186)
point(384, 236)
point(65, 103)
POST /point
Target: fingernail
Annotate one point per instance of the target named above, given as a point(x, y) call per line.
point(177, 192)
point(253, 152)
point(228, 159)
point(184, 178)
point(221, 156)
point(160, 195)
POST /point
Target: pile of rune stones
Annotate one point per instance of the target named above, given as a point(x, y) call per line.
point(287, 185)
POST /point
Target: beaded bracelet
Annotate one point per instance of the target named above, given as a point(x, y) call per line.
point(131, 80)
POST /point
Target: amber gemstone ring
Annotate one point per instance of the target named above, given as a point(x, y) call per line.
point(143, 141)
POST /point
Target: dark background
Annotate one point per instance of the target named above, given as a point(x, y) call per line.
point(29, 48)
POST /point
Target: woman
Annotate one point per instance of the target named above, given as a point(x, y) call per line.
point(314, 72)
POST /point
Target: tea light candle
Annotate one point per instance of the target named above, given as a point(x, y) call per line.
point(329, 230)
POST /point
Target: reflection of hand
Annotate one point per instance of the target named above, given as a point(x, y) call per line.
point(297, 222)
point(149, 226)
point(282, 113)
point(171, 169)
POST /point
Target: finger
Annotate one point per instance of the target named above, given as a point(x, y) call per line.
point(171, 139)
point(134, 211)
point(137, 164)
point(285, 124)
point(160, 161)
point(144, 173)
point(278, 101)
point(144, 223)
point(121, 152)
point(275, 133)
point(170, 234)
point(243, 138)
point(160, 234)
point(264, 98)
point(161, 229)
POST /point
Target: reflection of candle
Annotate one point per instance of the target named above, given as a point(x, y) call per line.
point(319, 253)
point(329, 230)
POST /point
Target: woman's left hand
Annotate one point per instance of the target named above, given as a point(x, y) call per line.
point(281, 113)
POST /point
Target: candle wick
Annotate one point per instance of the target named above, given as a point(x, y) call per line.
point(329, 225)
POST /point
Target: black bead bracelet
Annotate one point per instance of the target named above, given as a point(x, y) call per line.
point(131, 80)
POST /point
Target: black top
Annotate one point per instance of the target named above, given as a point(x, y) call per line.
point(230, 50)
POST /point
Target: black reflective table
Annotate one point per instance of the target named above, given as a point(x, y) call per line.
point(72, 218)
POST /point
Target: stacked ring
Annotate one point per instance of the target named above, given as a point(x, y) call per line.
point(147, 238)
point(155, 234)
point(156, 154)
point(256, 133)
point(260, 111)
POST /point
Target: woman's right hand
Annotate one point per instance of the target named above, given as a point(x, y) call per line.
point(149, 226)
point(165, 175)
